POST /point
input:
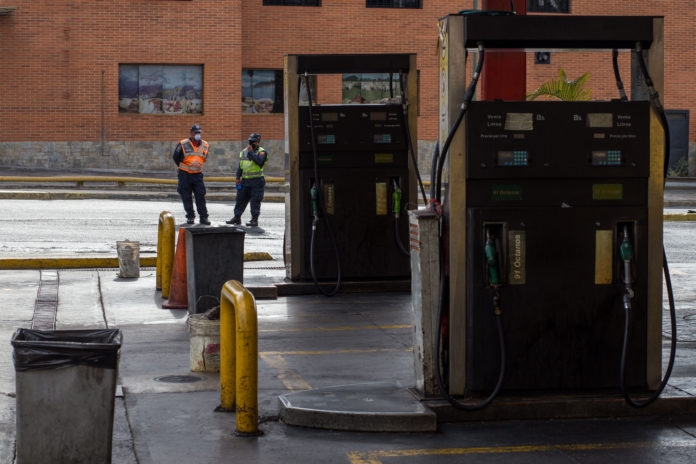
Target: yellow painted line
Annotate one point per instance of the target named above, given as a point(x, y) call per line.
point(290, 377)
point(334, 329)
point(257, 256)
point(375, 457)
point(680, 217)
point(80, 263)
point(143, 180)
point(67, 263)
point(367, 350)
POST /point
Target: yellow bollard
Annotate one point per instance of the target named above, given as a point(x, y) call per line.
point(165, 252)
point(238, 357)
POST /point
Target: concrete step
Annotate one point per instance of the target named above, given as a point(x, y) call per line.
point(366, 407)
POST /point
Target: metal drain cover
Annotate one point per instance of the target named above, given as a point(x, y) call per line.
point(178, 378)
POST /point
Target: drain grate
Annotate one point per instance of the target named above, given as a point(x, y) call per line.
point(178, 378)
point(46, 304)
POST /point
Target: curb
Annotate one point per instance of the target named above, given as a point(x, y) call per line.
point(67, 195)
point(680, 217)
point(89, 263)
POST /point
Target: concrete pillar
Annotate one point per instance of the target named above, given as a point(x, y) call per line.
point(425, 280)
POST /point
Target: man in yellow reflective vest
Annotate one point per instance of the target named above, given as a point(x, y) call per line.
point(250, 181)
point(190, 155)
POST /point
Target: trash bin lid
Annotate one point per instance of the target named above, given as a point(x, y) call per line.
point(52, 349)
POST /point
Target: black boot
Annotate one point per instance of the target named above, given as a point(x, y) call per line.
point(235, 220)
point(205, 221)
point(254, 221)
point(190, 220)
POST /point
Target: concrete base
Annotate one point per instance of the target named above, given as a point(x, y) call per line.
point(550, 406)
point(367, 407)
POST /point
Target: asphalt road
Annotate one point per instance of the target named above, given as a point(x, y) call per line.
point(84, 228)
point(89, 228)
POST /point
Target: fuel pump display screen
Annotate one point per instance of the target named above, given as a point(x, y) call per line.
point(331, 117)
point(607, 158)
point(517, 158)
point(382, 138)
point(599, 120)
point(378, 116)
point(519, 122)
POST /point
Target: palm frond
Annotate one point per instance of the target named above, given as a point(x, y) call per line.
point(563, 89)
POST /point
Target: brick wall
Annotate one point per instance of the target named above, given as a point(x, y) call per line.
point(59, 81)
point(680, 54)
point(54, 53)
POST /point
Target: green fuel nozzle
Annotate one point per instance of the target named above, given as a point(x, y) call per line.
point(626, 248)
point(492, 261)
point(626, 252)
point(396, 200)
point(314, 195)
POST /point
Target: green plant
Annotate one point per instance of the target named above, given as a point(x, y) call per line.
point(563, 89)
point(680, 168)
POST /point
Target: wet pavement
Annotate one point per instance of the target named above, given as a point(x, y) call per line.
point(310, 342)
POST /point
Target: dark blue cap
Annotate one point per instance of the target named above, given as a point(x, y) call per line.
point(196, 128)
point(254, 137)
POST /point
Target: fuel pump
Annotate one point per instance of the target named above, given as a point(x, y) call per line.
point(568, 181)
point(352, 175)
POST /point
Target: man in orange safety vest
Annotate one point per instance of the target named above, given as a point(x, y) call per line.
point(190, 155)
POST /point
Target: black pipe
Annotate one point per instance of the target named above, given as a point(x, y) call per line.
point(407, 130)
point(433, 170)
point(468, 96)
point(617, 75)
point(436, 353)
point(399, 243)
point(439, 162)
point(659, 109)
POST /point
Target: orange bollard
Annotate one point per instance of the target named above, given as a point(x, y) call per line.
point(178, 290)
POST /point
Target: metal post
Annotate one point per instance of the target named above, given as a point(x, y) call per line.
point(238, 356)
point(165, 252)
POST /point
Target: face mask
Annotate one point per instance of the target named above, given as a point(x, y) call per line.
point(197, 137)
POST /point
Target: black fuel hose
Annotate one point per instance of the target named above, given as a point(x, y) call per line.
point(468, 96)
point(433, 169)
point(438, 164)
point(322, 210)
point(617, 75)
point(659, 109)
point(399, 243)
point(438, 337)
point(407, 132)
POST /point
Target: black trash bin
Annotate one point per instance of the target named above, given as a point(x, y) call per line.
point(66, 383)
point(214, 255)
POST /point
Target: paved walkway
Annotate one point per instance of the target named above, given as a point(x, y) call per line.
point(309, 342)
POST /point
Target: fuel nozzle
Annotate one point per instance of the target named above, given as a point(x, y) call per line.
point(315, 207)
point(493, 271)
point(626, 252)
point(396, 199)
point(492, 260)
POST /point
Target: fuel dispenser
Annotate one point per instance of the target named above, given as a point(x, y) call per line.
point(552, 220)
point(351, 177)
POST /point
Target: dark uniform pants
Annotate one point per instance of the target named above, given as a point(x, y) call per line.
point(192, 184)
point(252, 190)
